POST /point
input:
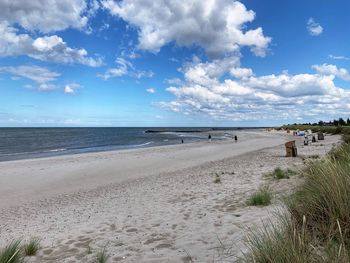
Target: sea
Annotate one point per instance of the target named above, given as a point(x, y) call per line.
point(26, 143)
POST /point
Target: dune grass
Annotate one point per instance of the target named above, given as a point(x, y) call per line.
point(32, 247)
point(12, 253)
point(262, 197)
point(279, 173)
point(316, 227)
point(324, 198)
point(217, 179)
point(279, 242)
point(102, 256)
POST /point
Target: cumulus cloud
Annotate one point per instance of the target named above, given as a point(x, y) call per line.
point(48, 48)
point(249, 97)
point(41, 76)
point(218, 26)
point(47, 15)
point(125, 67)
point(151, 90)
point(71, 88)
point(329, 69)
point(207, 73)
point(314, 28)
point(241, 72)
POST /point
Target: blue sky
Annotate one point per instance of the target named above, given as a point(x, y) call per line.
point(173, 63)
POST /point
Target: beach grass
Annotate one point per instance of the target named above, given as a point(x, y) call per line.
point(316, 226)
point(217, 179)
point(324, 198)
point(278, 242)
point(88, 250)
point(262, 197)
point(279, 173)
point(32, 247)
point(102, 256)
point(12, 253)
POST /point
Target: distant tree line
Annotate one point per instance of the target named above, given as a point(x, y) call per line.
point(338, 122)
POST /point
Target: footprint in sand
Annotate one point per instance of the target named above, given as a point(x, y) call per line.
point(152, 240)
point(186, 216)
point(132, 230)
point(164, 245)
point(118, 259)
point(47, 251)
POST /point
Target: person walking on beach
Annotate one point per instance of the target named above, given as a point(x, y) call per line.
point(209, 137)
point(236, 139)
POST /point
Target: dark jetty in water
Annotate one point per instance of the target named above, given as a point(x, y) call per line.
point(180, 131)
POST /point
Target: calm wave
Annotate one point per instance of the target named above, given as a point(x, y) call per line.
point(21, 143)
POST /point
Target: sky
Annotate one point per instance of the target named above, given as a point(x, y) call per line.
point(146, 63)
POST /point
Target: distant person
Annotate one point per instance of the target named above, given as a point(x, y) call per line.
point(236, 139)
point(182, 141)
point(209, 137)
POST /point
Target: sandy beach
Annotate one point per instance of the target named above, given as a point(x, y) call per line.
point(155, 204)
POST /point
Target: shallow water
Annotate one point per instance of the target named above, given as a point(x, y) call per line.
point(22, 143)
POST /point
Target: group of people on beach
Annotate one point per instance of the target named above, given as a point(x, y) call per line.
point(209, 138)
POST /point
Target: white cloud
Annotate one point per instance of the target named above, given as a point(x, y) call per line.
point(48, 48)
point(175, 60)
point(35, 73)
point(174, 81)
point(47, 15)
point(207, 73)
point(42, 76)
point(241, 72)
point(47, 87)
point(338, 57)
point(125, 67)
point(299, 85)
point(314, 28)
point(215, 25)
point(250, 97)
point(71, 88)
point(329, 69)
point(151, 90)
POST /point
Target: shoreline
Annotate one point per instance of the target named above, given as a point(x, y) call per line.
point(132, 149)
point(157, 214)
point(33, 179)
point(113, 148)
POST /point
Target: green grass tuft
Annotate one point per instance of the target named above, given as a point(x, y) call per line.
point(32, 247)
point(12, 253)
point(102, 256)
point(262, 197)
point(217, 179)
point(279, 173)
